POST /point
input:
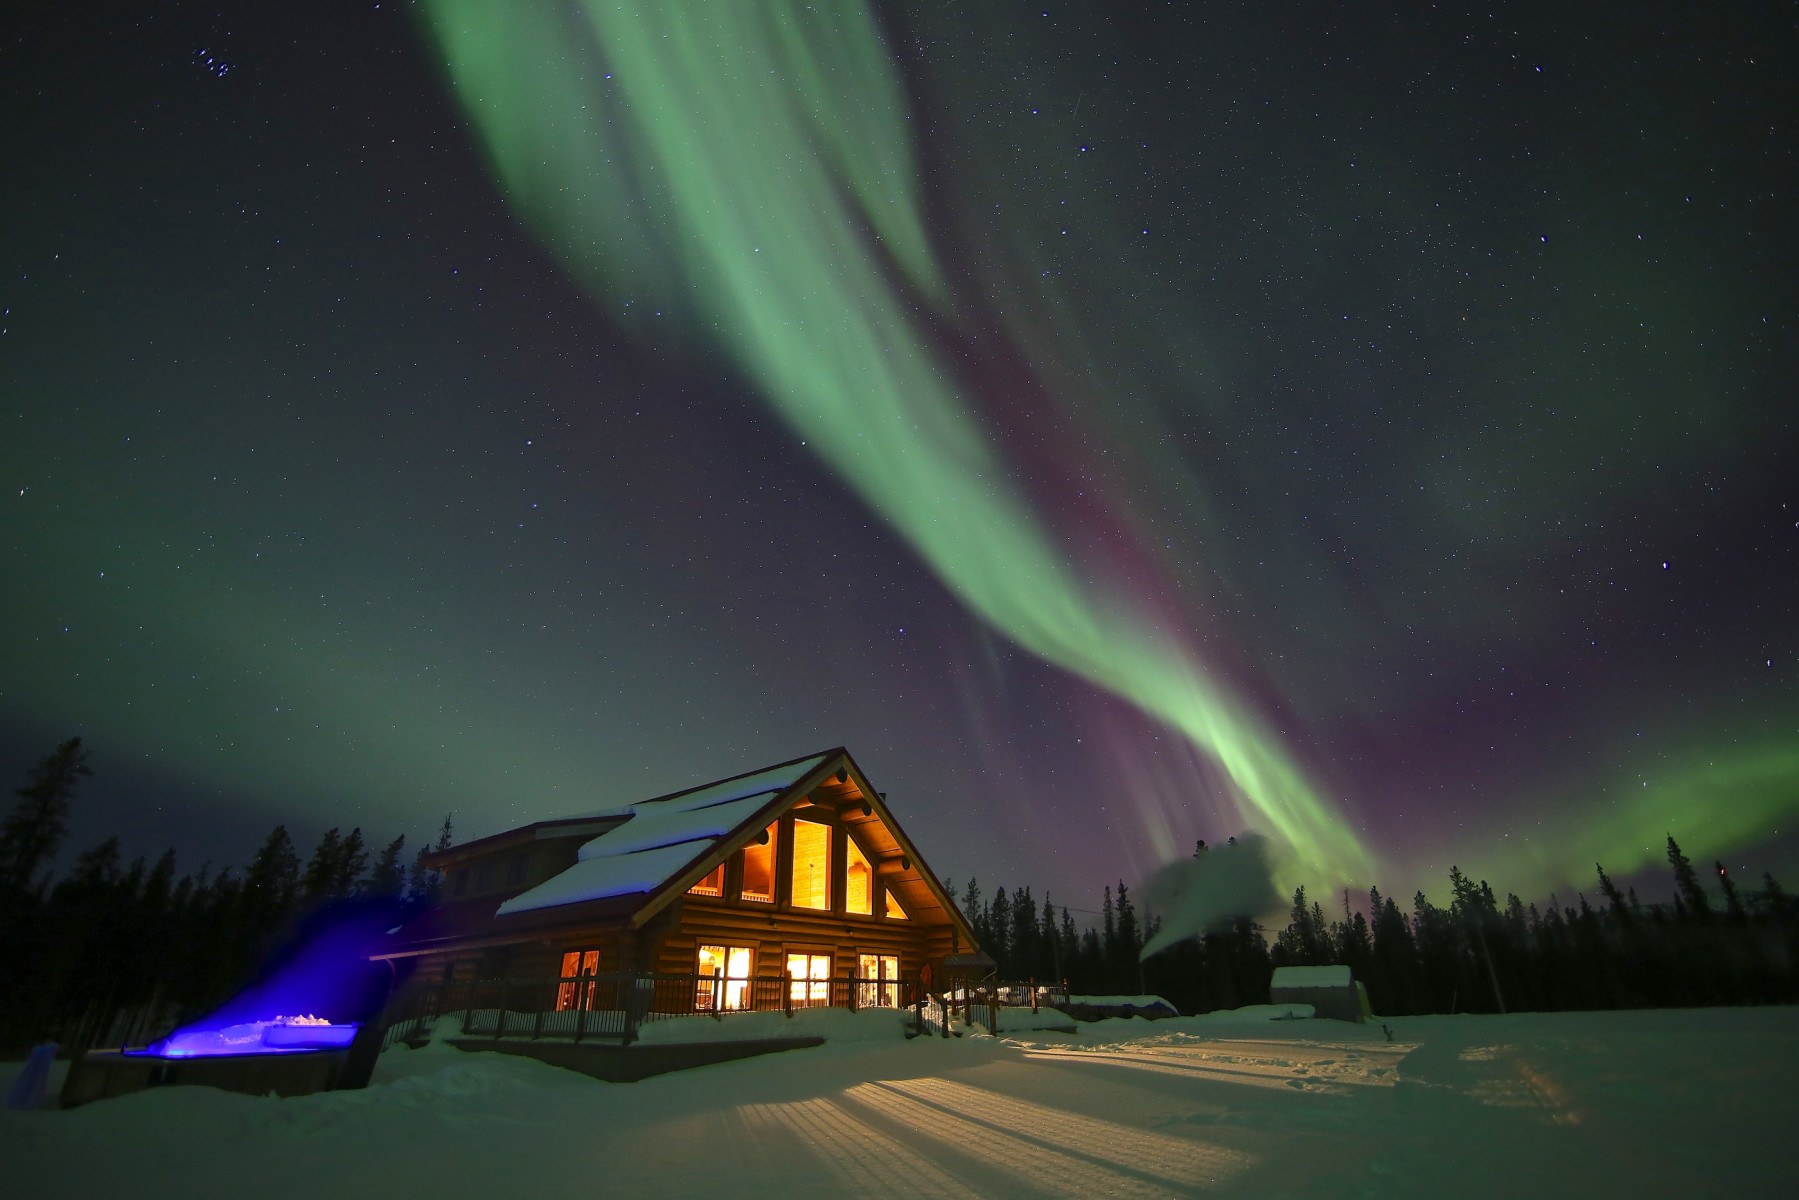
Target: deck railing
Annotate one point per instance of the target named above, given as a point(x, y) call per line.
point(615, 1005)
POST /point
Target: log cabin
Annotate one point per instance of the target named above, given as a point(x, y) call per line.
point(788, 886)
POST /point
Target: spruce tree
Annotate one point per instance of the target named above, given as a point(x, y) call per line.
point(1620, 911)
point(1129, 941)
point(273, 875)
point(388, 878)
point(1109, 925)
point(321, 869)
point(34, 829)
point(999, 932)
point(1687, 880)
point(352, 860)
point(971, 909)
point(1733, 906)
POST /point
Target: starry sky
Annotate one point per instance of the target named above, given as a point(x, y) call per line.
point(1118, 425)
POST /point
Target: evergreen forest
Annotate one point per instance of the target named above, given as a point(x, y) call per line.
point(113, 951)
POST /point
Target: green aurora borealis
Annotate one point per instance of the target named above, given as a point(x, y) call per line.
point(1383, 432)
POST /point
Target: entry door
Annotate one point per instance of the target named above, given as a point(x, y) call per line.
point(877, 985)
point(729, 965)
point(809, 978)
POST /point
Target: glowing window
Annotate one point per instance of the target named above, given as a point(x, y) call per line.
point(724, 978)
point(809, 979)
point(877, 981)
point(858, 894)
point(576, 966)
point(811, 865)
point(712, 885)
point(894, 911)
point(759, 868)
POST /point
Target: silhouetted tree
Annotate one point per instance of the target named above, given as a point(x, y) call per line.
point(34, 828)
point(388, 878)
point(1687, 881)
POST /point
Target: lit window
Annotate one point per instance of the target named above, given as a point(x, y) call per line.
point(877, 981)
point(811, 865)
point(724, 978)
point(809, 980)
point(858, 894)
point(894, 911)
point(577, 965)
point(759, 868)
point(712, 885)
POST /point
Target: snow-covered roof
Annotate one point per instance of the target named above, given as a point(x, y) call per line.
point(660, 838)
point(1310, 977)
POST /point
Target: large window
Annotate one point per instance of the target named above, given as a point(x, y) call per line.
point(759, 867)
point(712, 885)
point(811, 864)
point(724, 978)
point(877, 981)
point(576, 989)
point(859, 881)
point(809, 980)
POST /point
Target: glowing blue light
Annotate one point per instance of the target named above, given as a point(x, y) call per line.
point(315, 997)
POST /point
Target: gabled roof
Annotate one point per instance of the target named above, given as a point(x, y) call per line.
point(643, 856)
point(664, 835)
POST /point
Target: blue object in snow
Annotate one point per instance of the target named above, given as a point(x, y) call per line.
point(29, 1089)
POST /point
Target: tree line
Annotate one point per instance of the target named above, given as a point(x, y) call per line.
point(110, 938)
point(1476, 955)
point(1228, 967)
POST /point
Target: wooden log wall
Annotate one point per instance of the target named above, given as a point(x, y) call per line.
point(790, 931)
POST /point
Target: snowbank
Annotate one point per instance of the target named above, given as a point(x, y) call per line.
point(1603, 1104)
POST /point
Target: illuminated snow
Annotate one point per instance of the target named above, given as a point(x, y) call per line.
point(1640, 1103)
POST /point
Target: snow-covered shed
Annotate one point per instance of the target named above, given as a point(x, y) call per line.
point(789, 886)
point(1331, 991)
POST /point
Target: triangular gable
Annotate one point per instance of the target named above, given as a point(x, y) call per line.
point(673, 842)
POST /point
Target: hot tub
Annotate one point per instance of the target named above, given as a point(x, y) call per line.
point(257, 1058)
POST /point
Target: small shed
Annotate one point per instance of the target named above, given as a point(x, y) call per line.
point(1331, 991)
point(962, 971)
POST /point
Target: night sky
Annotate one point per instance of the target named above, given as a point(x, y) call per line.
point(1118, 425)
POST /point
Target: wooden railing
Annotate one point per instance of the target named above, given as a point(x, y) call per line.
point(613, 1006)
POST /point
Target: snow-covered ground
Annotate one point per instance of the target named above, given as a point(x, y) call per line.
point(1673, 1103)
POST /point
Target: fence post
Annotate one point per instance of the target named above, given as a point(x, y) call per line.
point(499, 1029)
point(638, 1005)
point(583, 997)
